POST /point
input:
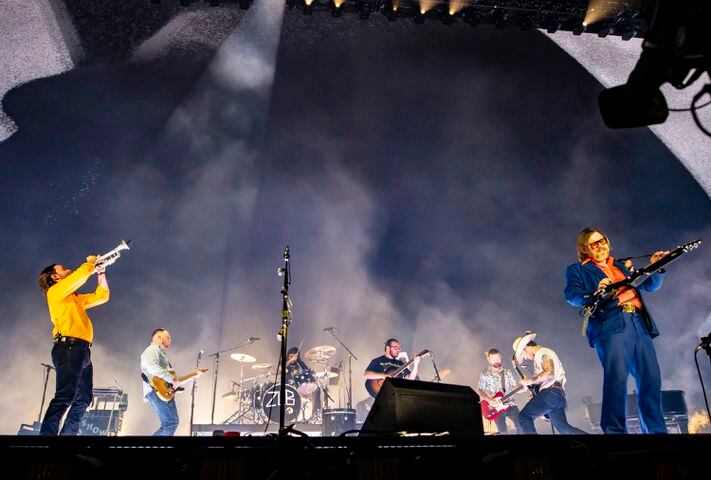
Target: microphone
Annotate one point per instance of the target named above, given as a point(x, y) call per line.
point(47, 366)
point(253, 339)
point(286, 254)
point(705, 343)
point(330, 329)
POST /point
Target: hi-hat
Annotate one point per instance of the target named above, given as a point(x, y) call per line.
point(262, 366)
point(243, 357)
point(320, 352)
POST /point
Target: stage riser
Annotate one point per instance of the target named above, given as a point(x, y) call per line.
point(543, 457)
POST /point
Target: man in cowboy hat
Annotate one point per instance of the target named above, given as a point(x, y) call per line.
point(549, 374)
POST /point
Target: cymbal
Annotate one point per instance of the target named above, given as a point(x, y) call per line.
point(326, 374)
point(243, 357)
point(320, 352)
point(262, 366)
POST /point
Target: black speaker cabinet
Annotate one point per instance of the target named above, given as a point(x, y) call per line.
point(422, 407)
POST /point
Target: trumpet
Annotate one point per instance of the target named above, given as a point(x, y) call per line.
point(110, 257)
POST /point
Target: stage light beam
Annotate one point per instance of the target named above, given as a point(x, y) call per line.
point(603, 9)
point(456, 6)
point(426, 5)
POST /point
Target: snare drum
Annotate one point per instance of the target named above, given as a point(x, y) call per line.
point(271, 402)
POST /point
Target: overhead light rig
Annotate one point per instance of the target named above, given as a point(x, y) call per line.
point(567, 15)
point(610, 17)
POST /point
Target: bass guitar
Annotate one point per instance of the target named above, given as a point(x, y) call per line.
point(165, 389)
point(491, 411)
point(374, 386)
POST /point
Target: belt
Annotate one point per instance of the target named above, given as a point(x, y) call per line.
point(72, 340)
point(629, 308)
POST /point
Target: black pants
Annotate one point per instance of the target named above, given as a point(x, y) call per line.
point(75, 381)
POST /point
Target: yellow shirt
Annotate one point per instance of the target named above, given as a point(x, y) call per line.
point(67, 310)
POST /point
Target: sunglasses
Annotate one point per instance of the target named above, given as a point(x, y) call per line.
point(598, 243)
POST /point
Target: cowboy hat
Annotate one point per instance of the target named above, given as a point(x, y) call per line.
point(520, 343)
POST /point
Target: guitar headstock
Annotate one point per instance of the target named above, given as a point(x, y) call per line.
point(424, 353)
point(690, 246)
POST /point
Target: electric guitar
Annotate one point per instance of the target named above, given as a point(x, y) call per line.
point(491, 411)
point(636, 278)
point(165, 390)
point(374, 386)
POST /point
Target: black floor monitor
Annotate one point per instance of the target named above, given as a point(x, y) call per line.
point(424, 407)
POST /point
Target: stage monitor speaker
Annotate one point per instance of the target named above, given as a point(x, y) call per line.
point(423, 407)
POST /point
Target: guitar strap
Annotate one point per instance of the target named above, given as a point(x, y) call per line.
point(503, 381)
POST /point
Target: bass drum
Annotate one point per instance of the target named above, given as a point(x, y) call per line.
point(271, 402)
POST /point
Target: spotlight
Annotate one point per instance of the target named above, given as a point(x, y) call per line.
point(473, 18)
point(628, 34)
point(244, 4)
point(214, 3)
point(579, 29)
point(185, 3)
point(525, 23)
point(419, 18)
point(630, 106)
point(364, 10)
point(605, 31)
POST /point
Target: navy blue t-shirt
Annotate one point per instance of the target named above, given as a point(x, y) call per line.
point(383, 363)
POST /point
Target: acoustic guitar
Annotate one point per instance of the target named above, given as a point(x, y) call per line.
point(373, 386)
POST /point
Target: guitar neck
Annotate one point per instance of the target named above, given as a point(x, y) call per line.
point(512, 393)
point(187, 376)
point(404, 367)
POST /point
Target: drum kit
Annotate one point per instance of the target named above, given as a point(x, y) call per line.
point(257, 397)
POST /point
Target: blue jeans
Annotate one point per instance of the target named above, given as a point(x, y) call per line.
point(621, 354)
point(167, 414)
point(74, 384)
point(551, 402)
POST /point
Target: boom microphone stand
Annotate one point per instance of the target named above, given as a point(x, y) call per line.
point(285, 321)
point(351, 356)
point(249, 341)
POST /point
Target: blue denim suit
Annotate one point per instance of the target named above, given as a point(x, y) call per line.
point(623, 342)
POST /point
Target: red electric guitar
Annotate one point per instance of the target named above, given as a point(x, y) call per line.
point(491, 411)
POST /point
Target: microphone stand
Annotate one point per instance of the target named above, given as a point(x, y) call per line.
point(192, 394)
point(216, 361)
point(434, 364)
point(47, 369)
point(351, 356)
point(285, 321)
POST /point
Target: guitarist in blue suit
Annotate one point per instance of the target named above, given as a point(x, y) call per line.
point(620, 330)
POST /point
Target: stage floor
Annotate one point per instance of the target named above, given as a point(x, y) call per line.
point(491, 457)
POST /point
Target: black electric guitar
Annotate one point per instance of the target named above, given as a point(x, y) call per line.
point(636, 278)
point(374, 386)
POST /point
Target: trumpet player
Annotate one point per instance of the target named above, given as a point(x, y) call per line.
point(73, 334)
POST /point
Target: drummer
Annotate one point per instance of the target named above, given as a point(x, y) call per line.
point(301, 376)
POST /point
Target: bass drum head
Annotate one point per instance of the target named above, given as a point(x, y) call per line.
point(271, 403)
